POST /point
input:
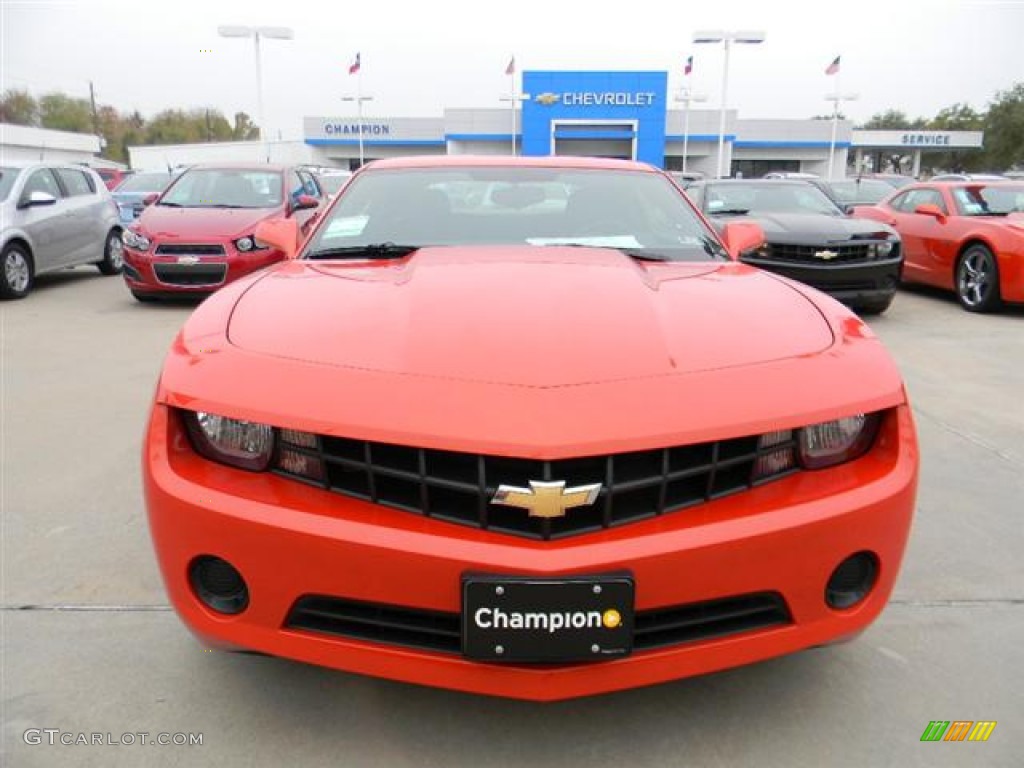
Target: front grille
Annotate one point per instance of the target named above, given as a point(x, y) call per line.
point(805, 253)
point(438, 631)
point(835, 286)
point(458, 487)
point(180, 249)
point(190, 274)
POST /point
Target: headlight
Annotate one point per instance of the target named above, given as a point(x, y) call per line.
point(248, 243)
point(881, 250)
point(833, 442)
point(243, 444)
point(135, 241)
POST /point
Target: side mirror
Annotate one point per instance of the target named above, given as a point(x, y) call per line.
point(281, 234)
point(930, 209)
point(151, 198)
point(303, 203)
point(742, 236)
point(38, 197)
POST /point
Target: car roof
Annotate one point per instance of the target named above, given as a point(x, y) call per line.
point(272, 167)
point(490, 161)
point(748, 182)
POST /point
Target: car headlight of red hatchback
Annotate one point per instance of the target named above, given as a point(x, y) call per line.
point(248, 243)
point(135, 240)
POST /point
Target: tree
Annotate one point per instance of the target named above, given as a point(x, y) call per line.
point(61, 112)
point(245, 129)
point(893, 120)
point(1004, 129)
point(18, 108)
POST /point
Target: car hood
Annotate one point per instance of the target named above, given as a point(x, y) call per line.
point(526, 316)
point(170, 223)
point(816, 228)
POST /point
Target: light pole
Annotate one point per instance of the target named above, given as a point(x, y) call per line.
point(746, 37)
point(687, 97)
point(836, 99)
point(359, 99)
point(272, 33)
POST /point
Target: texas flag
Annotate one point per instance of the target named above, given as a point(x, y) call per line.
point(354, 67)
point(689, 66)
point(833, 68)
point(511, 68)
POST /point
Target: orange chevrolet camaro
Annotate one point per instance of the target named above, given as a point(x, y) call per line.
point(526, 427)
point(965, 236)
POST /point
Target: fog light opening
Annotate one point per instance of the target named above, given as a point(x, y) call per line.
point(218, 584)
point(852, 580)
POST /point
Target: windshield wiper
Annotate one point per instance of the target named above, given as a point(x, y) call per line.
point(730, 211)
point(387, 250)
point(171, 205)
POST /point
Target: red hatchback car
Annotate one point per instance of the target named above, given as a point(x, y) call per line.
point(198, 234)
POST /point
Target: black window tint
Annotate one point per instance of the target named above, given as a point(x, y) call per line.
point(75, 182)
point(295, 186)
point(916, 197)
point(42, 181)
point(309, 184)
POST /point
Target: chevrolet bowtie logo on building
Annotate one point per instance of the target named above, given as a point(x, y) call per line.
point(547, 99)
point(547, 499)
point(826, 255)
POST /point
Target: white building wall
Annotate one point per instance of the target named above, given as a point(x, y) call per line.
point(25, 144)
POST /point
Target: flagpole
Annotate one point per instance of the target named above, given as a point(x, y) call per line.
point(359, 110)
point(835, 124)
point(515, 98)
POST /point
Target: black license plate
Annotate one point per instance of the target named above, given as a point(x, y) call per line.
point(523, 619)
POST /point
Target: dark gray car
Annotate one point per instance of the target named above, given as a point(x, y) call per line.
point(54, 217)
point(808, 238)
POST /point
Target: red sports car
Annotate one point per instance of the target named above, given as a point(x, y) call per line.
point(198, 234)
point(967, 236)
point(525, 427)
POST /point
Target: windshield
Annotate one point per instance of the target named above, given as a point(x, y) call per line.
point(989, 199)
point(144, 182)
point(767, 197)
point(225, 188)
point(627, 210)
point(331, 183)
point(860, 190)
point(7, 178)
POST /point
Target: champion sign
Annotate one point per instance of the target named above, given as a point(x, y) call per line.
point(352, 129)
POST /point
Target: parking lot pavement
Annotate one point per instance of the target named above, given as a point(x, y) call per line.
point(89, 645)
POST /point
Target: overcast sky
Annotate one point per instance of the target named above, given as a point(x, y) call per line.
point(419, 57)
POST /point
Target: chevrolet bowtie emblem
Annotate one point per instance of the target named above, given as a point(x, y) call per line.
point(547, 99)
point(547, 499)
point(826, 255)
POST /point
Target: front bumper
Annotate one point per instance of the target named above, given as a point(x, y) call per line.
point(153, 273)
point(290, 540)
point(856, 284)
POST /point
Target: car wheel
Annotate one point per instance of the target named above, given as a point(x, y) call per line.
point(977, 280)
point(145, 298)
point(875, 307)
point(16, 277)
point(113, 254)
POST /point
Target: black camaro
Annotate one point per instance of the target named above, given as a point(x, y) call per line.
point(810, 239)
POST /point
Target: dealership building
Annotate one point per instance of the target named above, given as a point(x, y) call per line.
point(605, 114)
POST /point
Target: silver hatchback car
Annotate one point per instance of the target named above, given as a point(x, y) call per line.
point(53, 217)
